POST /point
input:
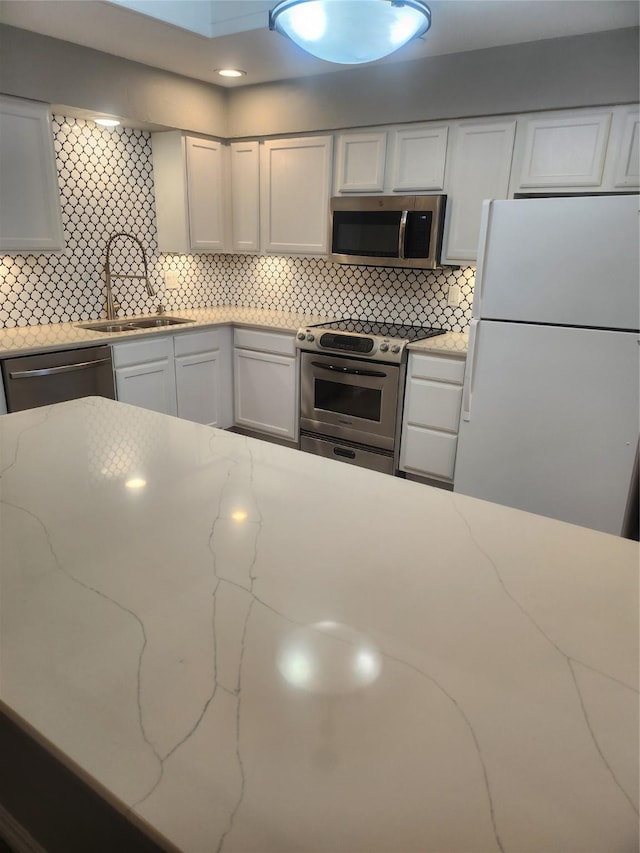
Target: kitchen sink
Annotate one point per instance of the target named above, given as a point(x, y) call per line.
point(157, 322)
point(132, 325)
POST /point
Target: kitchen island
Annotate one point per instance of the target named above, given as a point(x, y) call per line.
point(247, 648)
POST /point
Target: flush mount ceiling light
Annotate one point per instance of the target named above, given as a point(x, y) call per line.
point(350, 31)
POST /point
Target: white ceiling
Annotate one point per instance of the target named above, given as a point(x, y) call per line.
point(245, 41)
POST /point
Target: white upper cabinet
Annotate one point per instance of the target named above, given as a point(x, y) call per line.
point(577, 151)
point(30, 217)
point(361, 161)
point(402, 159)
point(245, 196)
point(418, 161)
point(205, 185)
point(564, 150)
point(627, 156)
point(479, 168)
point(295, 181)
point(189, 177)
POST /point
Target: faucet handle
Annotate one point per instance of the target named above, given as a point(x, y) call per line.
point(160, 308)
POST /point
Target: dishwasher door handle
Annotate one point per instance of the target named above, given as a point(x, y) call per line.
point(51, 371)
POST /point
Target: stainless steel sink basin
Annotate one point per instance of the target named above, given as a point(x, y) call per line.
point(107, 326)
point(157, 322)
point(131, 325)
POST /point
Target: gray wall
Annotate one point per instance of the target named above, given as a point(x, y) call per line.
point(58, 72)
point(600, 68)
point(589, 70)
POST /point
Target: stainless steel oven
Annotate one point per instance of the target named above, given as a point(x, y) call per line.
point(352, 388)
point(349, 398)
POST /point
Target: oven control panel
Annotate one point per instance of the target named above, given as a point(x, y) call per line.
point(349, 343)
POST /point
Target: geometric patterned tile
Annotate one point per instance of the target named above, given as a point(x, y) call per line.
point(106, 185)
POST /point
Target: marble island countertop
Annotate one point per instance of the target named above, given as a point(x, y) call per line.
point(24, 340)
point(258, 650)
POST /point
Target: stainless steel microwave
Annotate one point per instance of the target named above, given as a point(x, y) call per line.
point(388, 231)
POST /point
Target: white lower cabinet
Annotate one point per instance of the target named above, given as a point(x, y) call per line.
point(145, 374)
point(431, 416)
point(266, 382)
point(203, 377)
point(188, 375)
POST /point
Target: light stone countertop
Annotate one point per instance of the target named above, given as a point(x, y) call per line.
point(266, 651)
point(25, 340)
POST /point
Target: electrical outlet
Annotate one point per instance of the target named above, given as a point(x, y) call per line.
point(453, 299)
point(171, 280)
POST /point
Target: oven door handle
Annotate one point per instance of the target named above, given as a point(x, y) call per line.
point(352, 371)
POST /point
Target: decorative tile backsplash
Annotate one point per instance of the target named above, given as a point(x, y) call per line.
point(106, 187)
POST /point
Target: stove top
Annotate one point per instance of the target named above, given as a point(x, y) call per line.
point(381, 330)
point(363, 338)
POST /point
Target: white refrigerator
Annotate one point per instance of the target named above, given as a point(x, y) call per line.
point(550, 408)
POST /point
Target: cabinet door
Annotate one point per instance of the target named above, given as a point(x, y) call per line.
point(203, 377)
point(205, 161)
point(245, 196)
point(30, 217)
point(627, 167)
point(481, 165)
point(428, 452)
point(198, 387)
point(266, 392)
point(295, 183)
point(145, 374)
point(170, 189)
point(151, 386)
point(564, 150)
point(433, 404)
point(419, 158)
point(361, 161)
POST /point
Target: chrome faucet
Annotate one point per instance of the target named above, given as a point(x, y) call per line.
point(108, 275)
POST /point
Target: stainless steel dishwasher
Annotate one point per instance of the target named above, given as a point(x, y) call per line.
point(52, 377)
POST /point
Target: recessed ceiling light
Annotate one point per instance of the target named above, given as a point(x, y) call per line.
point(231, 72)
point(107, 122)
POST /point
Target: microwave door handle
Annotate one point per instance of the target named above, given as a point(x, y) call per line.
point(401, 233)
point(352, 371)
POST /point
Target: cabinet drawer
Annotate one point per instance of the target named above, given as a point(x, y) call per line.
point(284, 344)
point(436, 367)
point(433, 404)
point(139, 352)
point(195, 342)
point(427, 452)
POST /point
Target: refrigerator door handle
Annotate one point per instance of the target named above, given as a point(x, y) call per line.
point(468, 376)
point(483, 247)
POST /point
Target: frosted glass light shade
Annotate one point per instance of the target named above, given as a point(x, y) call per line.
point(350, 31)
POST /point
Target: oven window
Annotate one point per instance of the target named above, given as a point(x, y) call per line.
point(351, 400)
